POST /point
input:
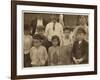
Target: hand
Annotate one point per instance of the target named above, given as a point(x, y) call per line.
point(77, 61)
point(80, 60)
point(42, 62)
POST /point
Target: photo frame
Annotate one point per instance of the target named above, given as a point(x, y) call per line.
point(19, 8)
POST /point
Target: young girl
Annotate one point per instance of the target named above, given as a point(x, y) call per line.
point(38, 53)
point(54, 51)
point(27, 45)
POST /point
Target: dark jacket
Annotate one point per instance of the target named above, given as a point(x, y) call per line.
point(80, 50)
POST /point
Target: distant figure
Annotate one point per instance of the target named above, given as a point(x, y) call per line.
point(27, 45)
point(61, 20)
point(38, 21)
point(54, 28)
point(80, 48)
point(82, 23)
point(38, 53)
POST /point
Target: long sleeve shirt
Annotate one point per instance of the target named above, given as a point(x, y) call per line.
point(38, 55)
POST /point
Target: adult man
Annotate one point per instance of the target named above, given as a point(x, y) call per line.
point(54, 28)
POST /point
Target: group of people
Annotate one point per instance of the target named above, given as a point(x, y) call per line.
point(55, 45)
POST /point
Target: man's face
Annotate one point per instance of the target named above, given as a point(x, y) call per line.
point(54, 20)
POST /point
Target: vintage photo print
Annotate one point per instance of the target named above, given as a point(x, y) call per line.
point(53, 39)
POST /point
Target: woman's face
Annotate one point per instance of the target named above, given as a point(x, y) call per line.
point(55, 42)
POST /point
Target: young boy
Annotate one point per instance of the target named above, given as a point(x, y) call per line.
point(66, 47)
point(80, 48)
point(27, 45)
point(66, 40)
point(38, 53)
point(45, 42)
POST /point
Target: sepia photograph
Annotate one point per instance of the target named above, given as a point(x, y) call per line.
point(53, 39)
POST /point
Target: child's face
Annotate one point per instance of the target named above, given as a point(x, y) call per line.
point(36, 42)
point(66, 33)
point(80, 36)
point(54, 42)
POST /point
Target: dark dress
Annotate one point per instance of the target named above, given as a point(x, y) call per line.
point(27, 60)
point(80, 51)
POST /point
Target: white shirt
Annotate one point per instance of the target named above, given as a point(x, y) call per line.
point(38, 55)
point(49, 32)
point(39, 22)
point(80, 42)
point(66, 41)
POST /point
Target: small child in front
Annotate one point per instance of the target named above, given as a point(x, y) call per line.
point(38, 53)
point(54, 51)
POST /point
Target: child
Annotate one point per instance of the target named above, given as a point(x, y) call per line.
point(54, 51)
point(27, 45)
point(65, 56)
point(66, 40)
point(45, 42)
point(80, 48)
point(38, 53)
